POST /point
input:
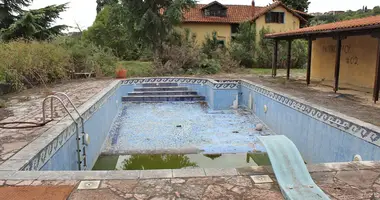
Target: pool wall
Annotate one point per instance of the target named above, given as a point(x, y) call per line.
point(321, 135)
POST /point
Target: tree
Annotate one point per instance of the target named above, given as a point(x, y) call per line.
point(243, 47)
point(301, 5)
point(9, 9)
point(109, 30)
point(102, 3)
point(151, 21)
point(35, 24)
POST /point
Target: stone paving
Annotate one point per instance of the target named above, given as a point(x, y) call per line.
point(347, 185)
point(27, 106)
point(343, 181)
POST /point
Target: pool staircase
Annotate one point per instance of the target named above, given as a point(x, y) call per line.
point(290, 170)
point(159, 92)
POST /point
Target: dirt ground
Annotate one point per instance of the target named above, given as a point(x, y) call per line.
point(349, 102)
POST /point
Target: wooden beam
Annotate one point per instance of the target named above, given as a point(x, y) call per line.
point(376, 86)
point(337, 62)
point(275, 55)
point(308, 72)
point(289, 59)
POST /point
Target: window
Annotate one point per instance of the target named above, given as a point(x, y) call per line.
point(234, 28)
point(275, 17)
point(217, 13)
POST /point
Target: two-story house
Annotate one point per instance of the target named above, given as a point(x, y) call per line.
point(225, 19)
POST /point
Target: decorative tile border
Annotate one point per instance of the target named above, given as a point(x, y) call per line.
point(44, 155)
point(220, 84)
point(364, 131)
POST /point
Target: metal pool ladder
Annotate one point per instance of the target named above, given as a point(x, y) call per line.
point(290, 170)
point(81, 147)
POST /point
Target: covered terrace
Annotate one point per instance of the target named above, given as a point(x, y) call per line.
point(360, 40)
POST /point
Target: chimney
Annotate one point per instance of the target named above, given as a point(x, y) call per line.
point(253, 3)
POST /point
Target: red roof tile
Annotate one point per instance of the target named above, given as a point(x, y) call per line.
point(355, 24)
point(235, 14)
point(263, 11)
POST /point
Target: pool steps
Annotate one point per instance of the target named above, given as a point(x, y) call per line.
point(159, 92)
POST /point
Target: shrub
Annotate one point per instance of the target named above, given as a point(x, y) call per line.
point(29, 63)
point(243, 47)
point(137, 68)
point(210, 66)
point(88, 57)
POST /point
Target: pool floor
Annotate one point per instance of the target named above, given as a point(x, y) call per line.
point(182, 127)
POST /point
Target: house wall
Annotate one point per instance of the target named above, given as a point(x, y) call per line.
point(292, 22)
point(358, 61)
point(203, 29)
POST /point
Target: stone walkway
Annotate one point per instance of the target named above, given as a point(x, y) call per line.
point(344, 185)
point(26, 106)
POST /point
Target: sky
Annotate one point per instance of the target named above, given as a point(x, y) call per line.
point(83, 12)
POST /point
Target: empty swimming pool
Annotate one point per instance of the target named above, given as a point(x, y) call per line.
point(195, 116)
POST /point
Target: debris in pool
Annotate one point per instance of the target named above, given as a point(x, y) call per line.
point(179, 126)
point(235, 131)
point(259, 127)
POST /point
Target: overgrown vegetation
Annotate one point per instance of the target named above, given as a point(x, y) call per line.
point(329, 18)
point(34, 52)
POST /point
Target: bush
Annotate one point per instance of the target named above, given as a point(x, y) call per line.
point(210, 66)
point(243, 47)
point(29, 63)
point(88, 57)
point(137, 68)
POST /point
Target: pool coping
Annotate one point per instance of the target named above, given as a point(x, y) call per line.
point(178, 173)
point(37, 153)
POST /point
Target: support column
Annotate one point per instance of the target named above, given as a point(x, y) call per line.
point(337, 63)
point(275, 55)
point(309, 50)
point(289, 59)
point(376, 86)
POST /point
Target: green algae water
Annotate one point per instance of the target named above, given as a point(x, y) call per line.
point(179, 161)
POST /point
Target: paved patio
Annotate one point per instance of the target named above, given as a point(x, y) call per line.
point(354, 181)
point(27, 106)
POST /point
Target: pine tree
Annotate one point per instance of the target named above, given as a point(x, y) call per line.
point(301, 5)
point(32, 24)
point(9, 9)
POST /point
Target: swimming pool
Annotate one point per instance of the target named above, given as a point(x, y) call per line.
point(321, 135)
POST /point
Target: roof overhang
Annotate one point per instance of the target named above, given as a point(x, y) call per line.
point(366, 30)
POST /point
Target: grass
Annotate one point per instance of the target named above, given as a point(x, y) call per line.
point(137, 68)
point(268, 71)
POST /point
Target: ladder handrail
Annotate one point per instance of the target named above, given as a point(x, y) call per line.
point(52, 97)
point(60, 100)
point(75, 108)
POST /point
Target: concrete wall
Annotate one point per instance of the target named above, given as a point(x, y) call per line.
point(358, 61)
point(203, 29)
point(317, 141)
point(291, 22)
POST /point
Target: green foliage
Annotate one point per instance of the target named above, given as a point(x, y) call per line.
point(100, 4)
point(33, 63)
point(329, 18)
point(110, 32)
point(87, 57)
point(35, 24)
point(151, 22)
point(265, 52)
point(9, 10)
point(210, 66)
point(210, 44)
point(301, 5)
point(137, 68)
point(243, 47)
